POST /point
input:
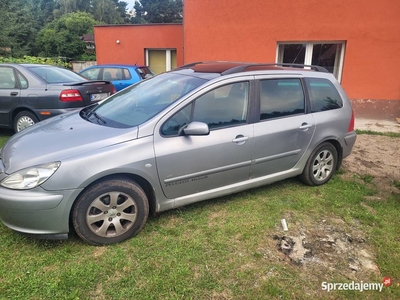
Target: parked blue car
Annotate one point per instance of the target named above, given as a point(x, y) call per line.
point(121, 76)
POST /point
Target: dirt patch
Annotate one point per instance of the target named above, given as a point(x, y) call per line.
point(330, 246)
point(375, 160)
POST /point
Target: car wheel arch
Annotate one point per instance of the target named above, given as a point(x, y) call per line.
point(335, 143)
point(19, 109)
point(142, 182)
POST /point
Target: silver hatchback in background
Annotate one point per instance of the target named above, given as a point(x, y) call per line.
point(201, 131)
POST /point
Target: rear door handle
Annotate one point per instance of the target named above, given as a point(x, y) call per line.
point(305, 126)
point(13, 93)
point(240, 139)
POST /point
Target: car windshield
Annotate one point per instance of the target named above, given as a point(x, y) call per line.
point(56, 75)
point(142, 101)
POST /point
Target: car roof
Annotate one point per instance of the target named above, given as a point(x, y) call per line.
point(117, 66)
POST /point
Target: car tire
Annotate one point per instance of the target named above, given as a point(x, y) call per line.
point(23, 120)
point(110, 212)
point(321, 165)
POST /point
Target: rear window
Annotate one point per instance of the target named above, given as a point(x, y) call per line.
point(55, 74)
point(323, 95)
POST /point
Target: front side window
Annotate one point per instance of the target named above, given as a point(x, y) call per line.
point(326, 54)
point(222, 107)
point(92, 74)
point(280, 98)
point(323, 95)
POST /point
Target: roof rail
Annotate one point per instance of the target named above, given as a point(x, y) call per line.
point(188, 65)
point(243, 68)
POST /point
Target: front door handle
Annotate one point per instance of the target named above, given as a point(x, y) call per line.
point(240, 139)
point(13, 93)
point(305, 126)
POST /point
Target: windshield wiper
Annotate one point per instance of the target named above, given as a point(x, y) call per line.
point(84, 114)
point(98, 117)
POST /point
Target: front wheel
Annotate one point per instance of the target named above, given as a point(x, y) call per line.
point(321, 165)
point(110, 211)
point(23, 120)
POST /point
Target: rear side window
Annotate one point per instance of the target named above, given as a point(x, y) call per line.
point(323, 95)
point(280, 98)
point(7, 78)
point(115, 74)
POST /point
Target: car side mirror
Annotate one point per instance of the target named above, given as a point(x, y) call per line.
point(196, 128)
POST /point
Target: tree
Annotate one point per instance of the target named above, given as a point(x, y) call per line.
point(18, 28)
point(109, 11)
point(62, 37)
point(158, 11)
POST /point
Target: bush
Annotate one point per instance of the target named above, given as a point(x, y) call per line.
point(36, 60)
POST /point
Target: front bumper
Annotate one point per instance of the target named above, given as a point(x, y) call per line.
point(37, 211)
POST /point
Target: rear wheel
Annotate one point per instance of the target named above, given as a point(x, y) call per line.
point(23, 120)
point(110, 212)
point(321, 165)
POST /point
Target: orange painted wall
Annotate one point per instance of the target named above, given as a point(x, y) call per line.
point(134, 39)
point(249, 31)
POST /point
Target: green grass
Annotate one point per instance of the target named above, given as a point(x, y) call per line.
point(217, 249)
point(370, 132)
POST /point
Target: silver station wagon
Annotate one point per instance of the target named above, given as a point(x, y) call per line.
point(202, 131)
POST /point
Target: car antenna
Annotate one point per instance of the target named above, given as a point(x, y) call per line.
point(137, 60)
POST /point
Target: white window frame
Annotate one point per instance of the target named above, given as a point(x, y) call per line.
point(339, 59)
point(168, 61)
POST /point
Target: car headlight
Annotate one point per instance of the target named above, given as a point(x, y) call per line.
point(30, 178)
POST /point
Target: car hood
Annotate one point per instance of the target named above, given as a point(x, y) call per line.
point(58, 138)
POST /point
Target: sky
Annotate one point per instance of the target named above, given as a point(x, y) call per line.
point(130, 5)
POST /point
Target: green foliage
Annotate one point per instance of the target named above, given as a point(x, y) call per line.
point(53, 27)
point(109, 11)
point(17, 28)
point(35, 60)
point(61, 37)
point(88, 57)
point(158, 11)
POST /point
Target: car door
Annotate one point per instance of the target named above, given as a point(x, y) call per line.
point(285, 129)
point(193, 164)
point(9, 94)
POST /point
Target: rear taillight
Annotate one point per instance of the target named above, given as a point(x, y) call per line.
point(70, 95)
point(114, 90)
point(351, 125)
